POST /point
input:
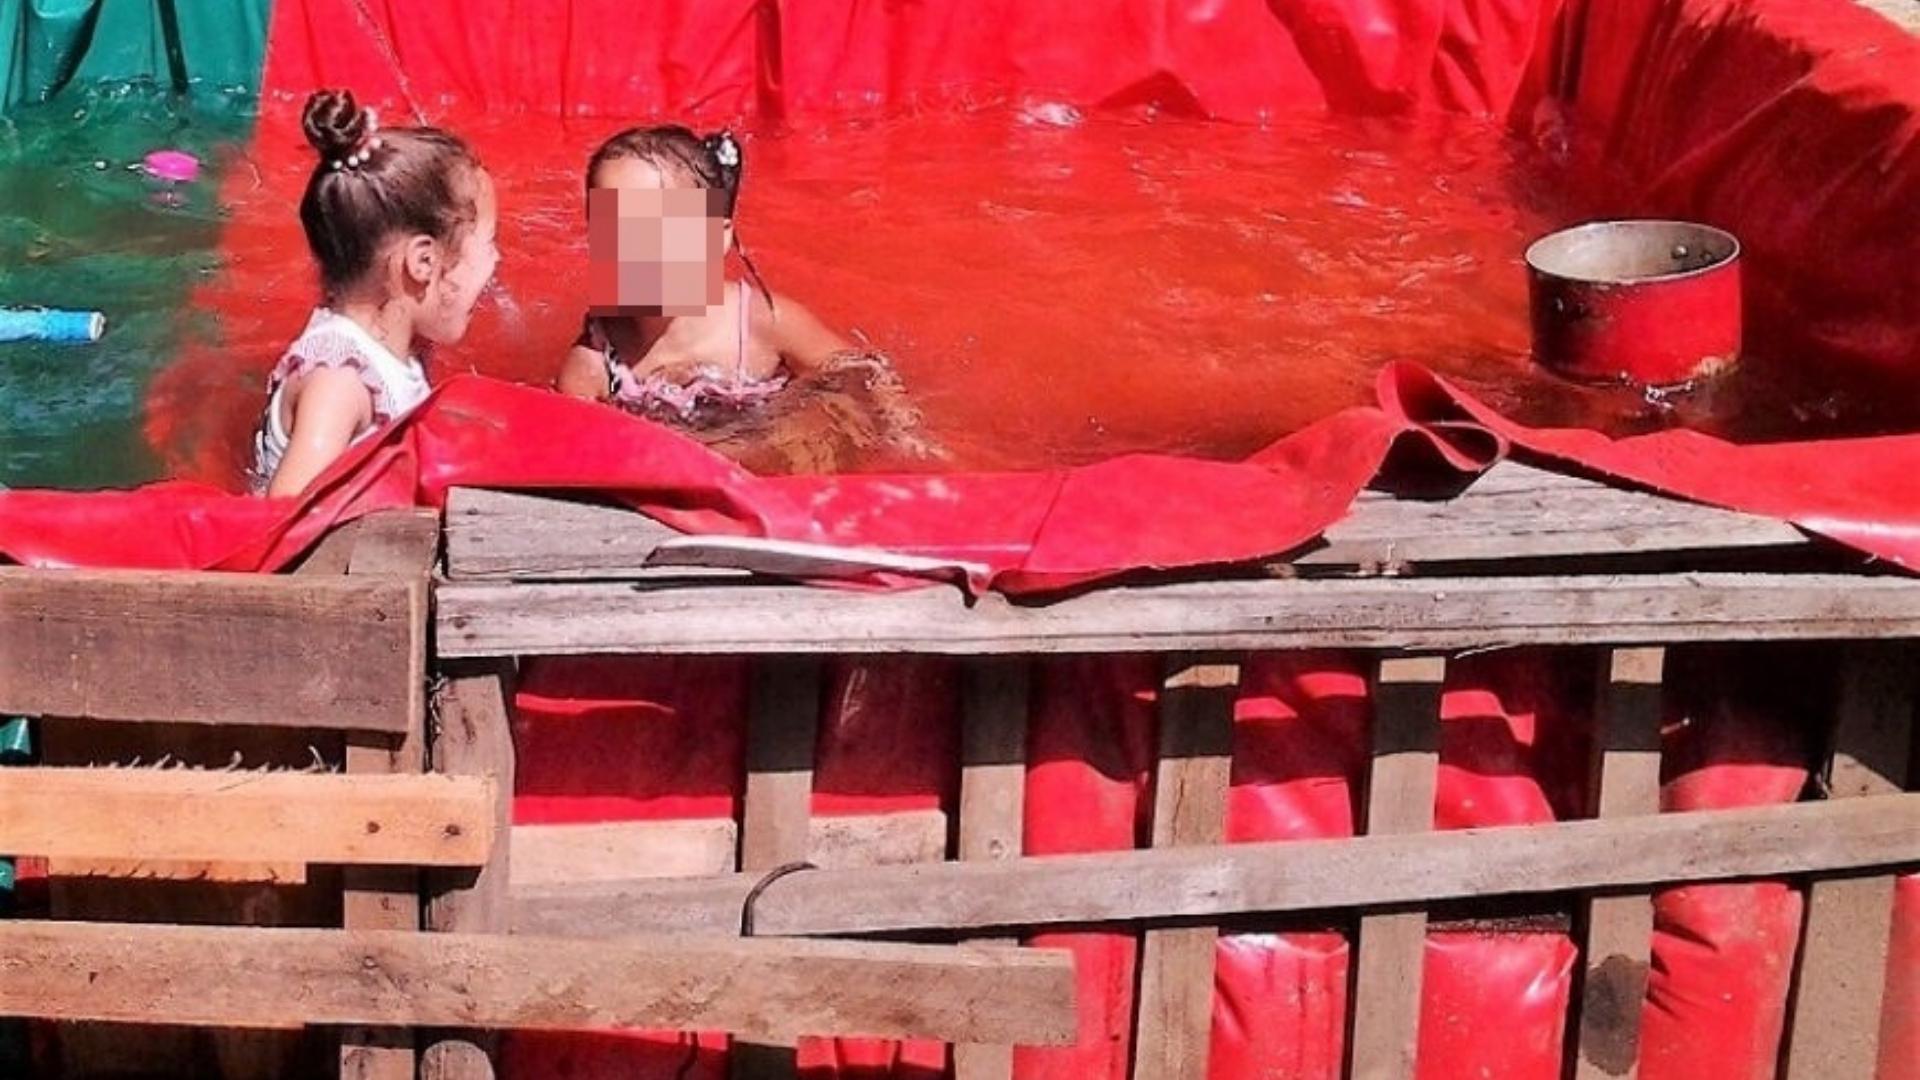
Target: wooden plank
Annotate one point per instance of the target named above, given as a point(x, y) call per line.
point(387, 897)
point(396, 542)
point(559, 855)
point(472, 735)
point(1619, 926)
point(331, 554)
point(782, 725)
point(783, 718)
point(993, 758)
point(258, 976)
point(398, 539)
point(1520, 512)
point(1189, 809)
point(1902, 13)
point(195, 814)
point(235, 873)
point(855, 840)
point(312, 652)
point(105, 1049)
point(508, 534)
point(1514, 511)
point(1294, 875)
point(616, 850)
point(1413, 613)
point(1391, 948)
point(1842, 964)
point(993, 786)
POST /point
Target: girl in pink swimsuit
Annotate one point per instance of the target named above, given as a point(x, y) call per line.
point(666, 337)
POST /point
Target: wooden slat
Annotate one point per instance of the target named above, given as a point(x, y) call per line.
point(993, 753)
point(1412, 613)
point(235, 873)
point(558, 855)
point(387, 897)
point(1841, 981)
point(193, 814)
point(472, 735)
point(1295, 875)
point(396, 542)
point(256, 976)
point(330, 555)
point(782, 725)
point(105, 1049)
point(310, 652)
point(1902, 13)
point(895, 839)
point(546, 855)
point(1519, 512)
point(506, 534)
point(1513, 512)
point(1189, 809)
point(1619, 926)
point(783, 721)
point(993, 787)
point(1391, 948)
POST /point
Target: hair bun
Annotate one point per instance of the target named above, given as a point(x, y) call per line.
point(334, 123)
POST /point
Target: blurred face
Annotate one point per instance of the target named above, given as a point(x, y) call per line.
point(656, 245)
point(455, 283)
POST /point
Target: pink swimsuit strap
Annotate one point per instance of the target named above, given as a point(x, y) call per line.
point(654, 395)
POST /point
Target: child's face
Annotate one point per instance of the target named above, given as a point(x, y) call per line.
point(449, 300)
point(655, 245)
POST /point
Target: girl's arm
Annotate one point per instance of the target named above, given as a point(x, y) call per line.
point(805, 343)
point(583, 374)
point(332, 405)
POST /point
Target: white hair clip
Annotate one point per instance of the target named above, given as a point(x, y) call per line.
point(361, 156)
point(725, 150)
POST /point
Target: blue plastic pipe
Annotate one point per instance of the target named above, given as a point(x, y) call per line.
point(43, 324)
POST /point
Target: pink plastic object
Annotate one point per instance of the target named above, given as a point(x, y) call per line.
point(175, 165)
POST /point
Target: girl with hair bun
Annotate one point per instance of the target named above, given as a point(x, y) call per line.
point(401, 222)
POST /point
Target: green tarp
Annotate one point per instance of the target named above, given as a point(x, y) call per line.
point(48, 45)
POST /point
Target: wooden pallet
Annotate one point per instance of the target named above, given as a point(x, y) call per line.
point(327, 825)
point(1521, 557)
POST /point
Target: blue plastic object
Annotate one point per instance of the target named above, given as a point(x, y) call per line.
point(46, 324)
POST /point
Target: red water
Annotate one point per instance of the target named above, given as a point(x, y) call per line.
point(1053, 287)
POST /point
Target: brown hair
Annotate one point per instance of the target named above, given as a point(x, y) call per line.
point(713, 162)
point(373, 183)
point(698, 158)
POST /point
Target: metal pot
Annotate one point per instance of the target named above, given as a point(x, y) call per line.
point(1655, 303)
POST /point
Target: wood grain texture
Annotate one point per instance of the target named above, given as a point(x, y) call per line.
point(1840, 984)
point(301, 652)
point(257, 976)
point(1387, 613)
point(1619, 927)
point(1514, 511)
point(191, 815)
point(1295, 875)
